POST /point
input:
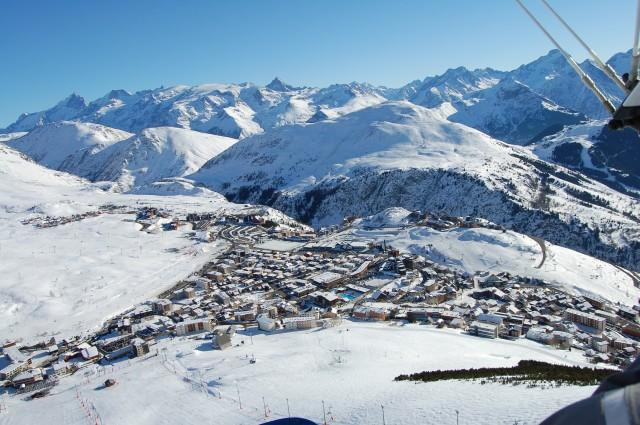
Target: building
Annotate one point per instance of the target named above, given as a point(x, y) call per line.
point(245, 316)
point(221, 340)
point(140, 347)
point(493, 319)
point(628, 313)
point(423, 314)
point(28, 377)
point(611, 318)
point(14, 354)
point(13, 369)
point(485, 330)
point(57, 369)
point(540, 334)
point(193, 326)
point(114, 343)
point(162, 307)
point(591, 320)
point(300, 322)
point(90, 353)
point(189, 292)
point(327, 299)
point(369, 312)
point(327, 280)
point(266, 323)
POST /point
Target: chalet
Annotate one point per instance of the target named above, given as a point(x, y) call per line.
point(28, 377)
point(193, 326)
point(90, 353)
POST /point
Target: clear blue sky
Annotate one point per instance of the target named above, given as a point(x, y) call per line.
point(50, 48)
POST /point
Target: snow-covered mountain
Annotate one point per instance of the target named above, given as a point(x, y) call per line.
point(611, 157)
point(401, 154)
point(101, 153)
point(53, 145)
point(552, 77)
point(241, 110)
point(234, 110)
point(512, 112)
point(155, 154)
point(454, 85)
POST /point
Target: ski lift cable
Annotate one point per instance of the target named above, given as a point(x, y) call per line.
point(606, 68)
point(635, 53)
point(585, 78)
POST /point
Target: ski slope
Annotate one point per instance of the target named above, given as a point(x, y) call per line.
point(347, 367)
point(480, 249)
point(65, 280)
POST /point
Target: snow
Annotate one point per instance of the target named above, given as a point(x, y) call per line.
point(481, 249)
point(279, 245)
point(5, 137)
point(67, 279)
point(97, 152)
point(86, 271)
point(350, 370)
point(52, 144)
point(424, 161)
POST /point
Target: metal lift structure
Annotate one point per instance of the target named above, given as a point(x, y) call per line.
point(627, 114)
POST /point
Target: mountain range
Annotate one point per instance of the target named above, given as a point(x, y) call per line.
point(526, 149)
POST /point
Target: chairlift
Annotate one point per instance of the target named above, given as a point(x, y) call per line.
point(627, 114)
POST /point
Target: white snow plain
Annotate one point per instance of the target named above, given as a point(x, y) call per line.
point(350, 367)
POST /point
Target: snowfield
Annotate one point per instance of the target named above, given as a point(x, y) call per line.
point(82, 272)
point(348, 367)
point(101, 153)
point(65, 280)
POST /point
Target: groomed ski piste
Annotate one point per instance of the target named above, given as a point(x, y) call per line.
point(350, 368)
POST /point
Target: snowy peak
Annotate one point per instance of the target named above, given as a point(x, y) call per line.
point(154, 154)
point(512, 112)
point(99, 153)
point(552, 77)
point(454, 85)
point(278, 85)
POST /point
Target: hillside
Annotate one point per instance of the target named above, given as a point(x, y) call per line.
point(100, 153)
point(400, 154)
